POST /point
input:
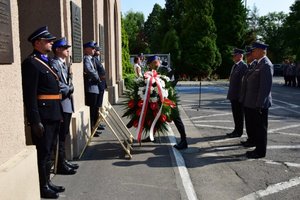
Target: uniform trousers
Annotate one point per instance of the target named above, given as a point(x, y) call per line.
point(249, 125)
point(63, 132)
point(92, 102)
point(259, 122)
point(44, 147)
point(180, 127)
point(100, 98)
point(238, 116)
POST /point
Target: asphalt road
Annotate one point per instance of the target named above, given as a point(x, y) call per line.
point(217, 165)
point(213, 167)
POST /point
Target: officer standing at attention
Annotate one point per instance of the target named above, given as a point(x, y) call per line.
point(235, 81)
point(42, 105)
point(60, 49)
point(102, 83)
point(154, 63)
point(91, 82)
point(251, 62)
point(258, 98)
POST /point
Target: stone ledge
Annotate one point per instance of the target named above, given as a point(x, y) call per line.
point(19, 176)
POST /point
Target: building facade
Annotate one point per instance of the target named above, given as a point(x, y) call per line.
point(79, 21)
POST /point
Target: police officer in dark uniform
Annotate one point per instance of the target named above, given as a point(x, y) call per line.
point(42, 105)
point(251, 62)
point(60, 49)
point(237, 72)
point(91, 82)
point(102, 83)
point(154, 63)
point(258, 98)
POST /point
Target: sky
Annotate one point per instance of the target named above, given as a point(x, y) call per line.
point(264, 6)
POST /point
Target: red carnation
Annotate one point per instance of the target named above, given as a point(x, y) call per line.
point(163, 118)
point(131, 103)
point(140, 103)
point(153, 105)
point(138, 112)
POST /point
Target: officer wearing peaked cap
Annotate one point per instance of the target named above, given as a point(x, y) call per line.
point(60, 49)
point(154, 63)
point(91, 81)
point(235, 81)
point(258, 98)
point(42, 105)
point(248, 121)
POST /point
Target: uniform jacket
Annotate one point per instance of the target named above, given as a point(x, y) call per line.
point(91, 76)
point(167, 71)
point(259, 84)
point(38, 79)
point(63, 74)
point(101, 72)
point(251, 68)
point(235, 80)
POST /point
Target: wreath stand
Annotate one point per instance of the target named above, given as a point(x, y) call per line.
point(109, 116)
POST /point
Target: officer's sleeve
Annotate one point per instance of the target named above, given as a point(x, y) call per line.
point(90, 70)
point(63, 88)
point(266, 78)
point(30, 79)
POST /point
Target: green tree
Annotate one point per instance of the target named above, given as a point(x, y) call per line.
point(200, 55)
point(230, 19)
point(134, 26)
point(153, 30)
point(292, 30)
point(126, 65)
point(172, 28)
point(270, 29)
point(171, 45)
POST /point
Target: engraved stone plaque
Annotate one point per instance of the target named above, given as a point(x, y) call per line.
point(76, 33)
point(6, 47)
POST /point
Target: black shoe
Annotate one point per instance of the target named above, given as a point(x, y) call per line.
point(65, 170)
point(247, 143)
point(56, 188)
point(71, 165)
point(101, 127)
point(254, 155)
point(181, 145)
point(233, 135)
point(48, 193)
point(96, 134)
point(147, 139)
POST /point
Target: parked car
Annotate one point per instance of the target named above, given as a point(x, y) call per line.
point(278, 69)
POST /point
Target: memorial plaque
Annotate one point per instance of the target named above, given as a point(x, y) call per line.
point(76, 33)
point(6, 47)
point(101, 42)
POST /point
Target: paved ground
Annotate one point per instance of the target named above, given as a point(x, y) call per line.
point(213, 167)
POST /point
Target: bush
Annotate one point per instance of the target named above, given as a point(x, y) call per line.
point(129, 79)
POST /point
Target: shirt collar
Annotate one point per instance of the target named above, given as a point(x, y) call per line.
point(261, 59)
point(238, 62)
point(61, 60)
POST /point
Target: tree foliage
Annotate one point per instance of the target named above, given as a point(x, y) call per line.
point(270, 30)
point(230, 19)
point(126, 65)
point(153, 29)
point(171, 45)
point(134, 26)
point(292, 30)
point(200, 34)
point(200, 55)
